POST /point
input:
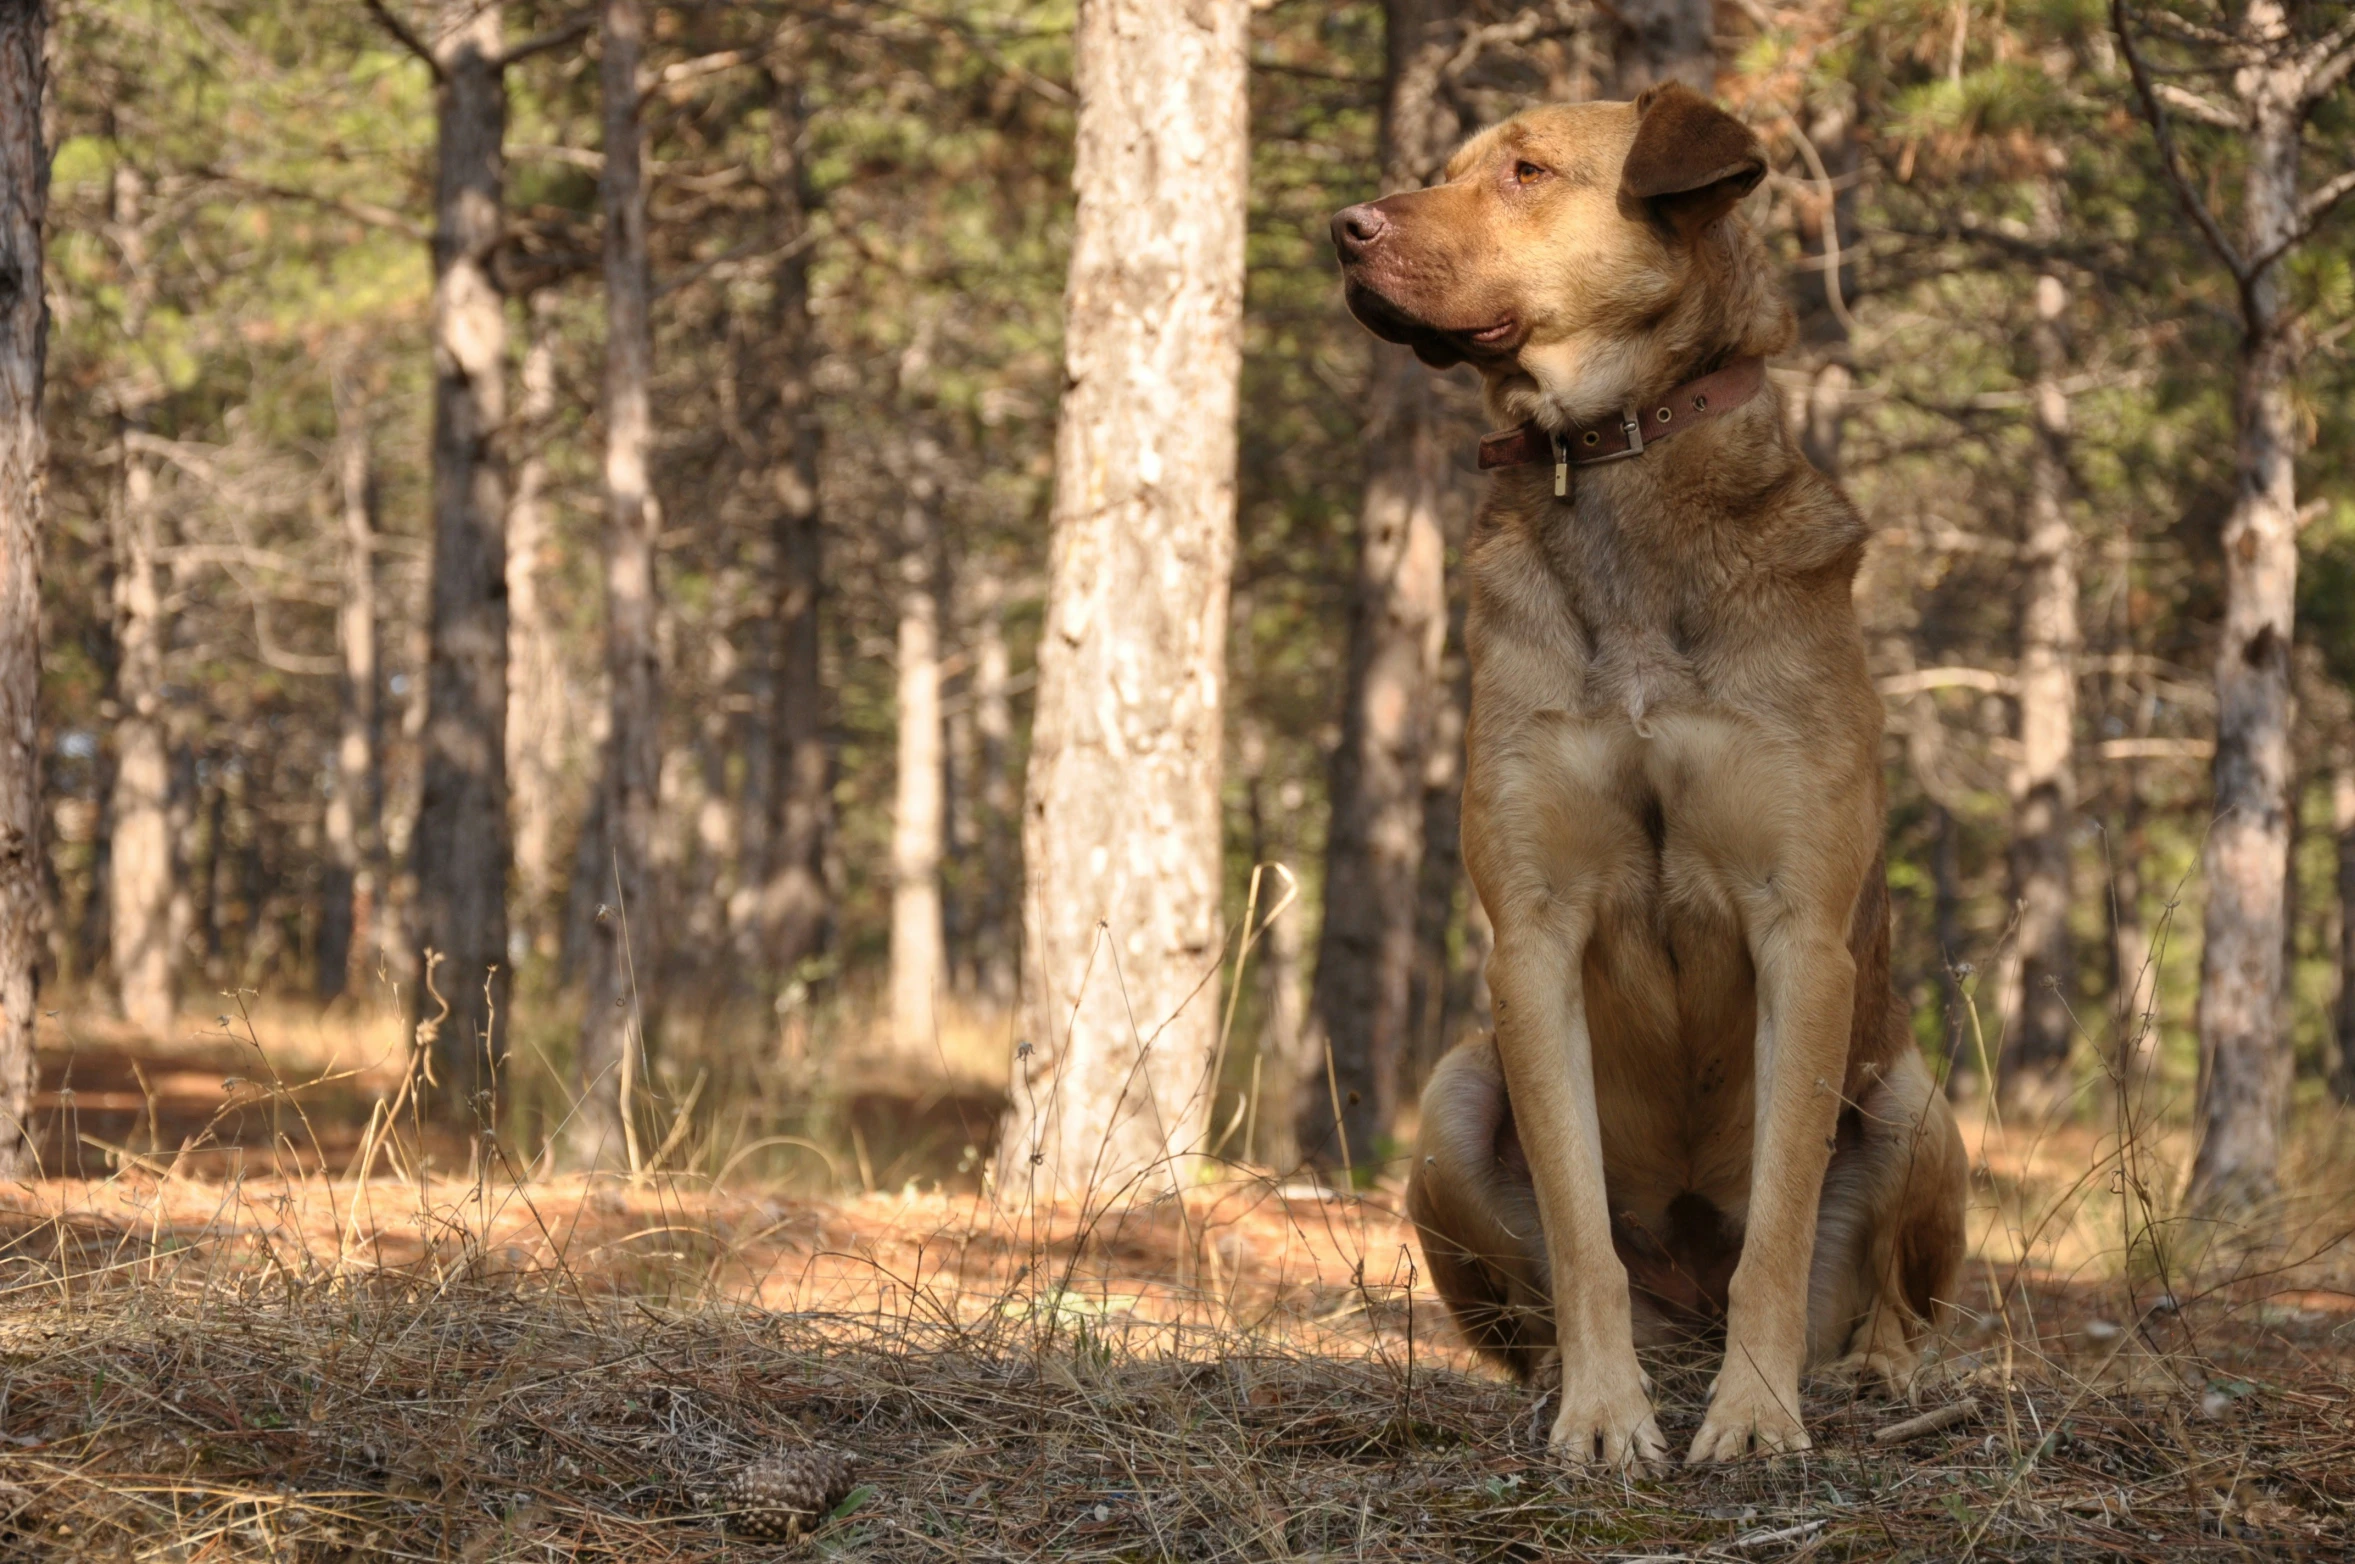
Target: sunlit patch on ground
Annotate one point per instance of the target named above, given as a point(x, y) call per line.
point(273, 1366)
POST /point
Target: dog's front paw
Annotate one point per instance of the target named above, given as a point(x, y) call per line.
point(1606, 1419)
point(1747, 1413)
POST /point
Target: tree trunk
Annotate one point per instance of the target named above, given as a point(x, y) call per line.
point(1827, 280)
point(1663, 40)
point(355, 809)
point(140, 856)
point(1435, 991)
point(538, 720)
point(1360, 1005)
point(1285, 986)
point(919, 958)
point(24, 322)
point(139, 864)
point(995, 948)
point(2244, 1065)
point(207, 915)
point(2285, 997)
point(2342, 812)
point(1270, 1139)
point(2033, 1074)
point(1964, 1077)
point(2135, 1029)
point(624, 939)
point(459, 847)
point(796, 901)
point(1360, 1009)
point(1121, 820)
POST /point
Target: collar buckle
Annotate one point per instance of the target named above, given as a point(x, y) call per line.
point(1632, 428)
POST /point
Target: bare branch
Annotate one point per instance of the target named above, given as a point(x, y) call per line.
point(405, 35)
point(762, 247)
point(2318, 206)
point(2206, 111)
point(540, 43)
point(1525, 28)
point(250, 558)
point(2157, 749)
point(1826, 194)
point(2328, 58)
point(2192, 204)
point(363, 211)
point(275, 656)
point(679, 71)
point(684, 72)
point(1944, 538)
point(2329, 73)
point(2232, 50)
point(2311, 212)
point(1950, 678)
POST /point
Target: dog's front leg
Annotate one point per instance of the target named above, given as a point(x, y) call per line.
point(1542, 1040)
point(1806, 991)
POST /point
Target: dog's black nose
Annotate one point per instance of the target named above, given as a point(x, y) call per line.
point(1357, 229)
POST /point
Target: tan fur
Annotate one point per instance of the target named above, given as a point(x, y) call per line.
point(1701, 1106)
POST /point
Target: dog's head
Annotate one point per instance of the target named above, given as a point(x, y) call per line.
point(1560, 238)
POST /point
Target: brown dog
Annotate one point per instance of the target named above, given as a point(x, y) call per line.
point(1702, 1103)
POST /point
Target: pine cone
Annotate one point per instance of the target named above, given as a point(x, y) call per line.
point(787, 1493)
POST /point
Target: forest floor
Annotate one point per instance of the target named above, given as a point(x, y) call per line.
point(248, 1359)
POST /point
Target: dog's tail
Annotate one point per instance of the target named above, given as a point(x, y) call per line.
point(1475, 1208)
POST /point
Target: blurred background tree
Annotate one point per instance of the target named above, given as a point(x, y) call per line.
point(279, 429)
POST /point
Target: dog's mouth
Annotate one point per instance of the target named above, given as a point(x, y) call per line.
point(1435, 342)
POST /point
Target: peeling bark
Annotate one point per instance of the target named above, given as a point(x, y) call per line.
point(1121, 838)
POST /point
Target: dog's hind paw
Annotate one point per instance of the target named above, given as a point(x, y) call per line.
point(1879, 1355)
point(1896, 1375)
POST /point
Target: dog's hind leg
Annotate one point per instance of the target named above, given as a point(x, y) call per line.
point(1889, 1232)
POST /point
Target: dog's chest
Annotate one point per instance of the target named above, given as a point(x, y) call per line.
point(1639, 615)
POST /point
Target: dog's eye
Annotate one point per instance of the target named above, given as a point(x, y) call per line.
point(1528, 173)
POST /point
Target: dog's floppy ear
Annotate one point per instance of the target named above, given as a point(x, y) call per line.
point(1691, 161)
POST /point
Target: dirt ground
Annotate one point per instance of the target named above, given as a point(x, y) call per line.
point(232, 1351)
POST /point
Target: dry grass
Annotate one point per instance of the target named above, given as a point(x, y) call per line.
point(276, 1366)
point(226, 1351)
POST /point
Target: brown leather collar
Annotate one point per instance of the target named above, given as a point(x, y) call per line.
point(1638, 425)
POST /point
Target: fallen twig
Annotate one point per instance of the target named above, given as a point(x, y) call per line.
point(1929, 1422)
